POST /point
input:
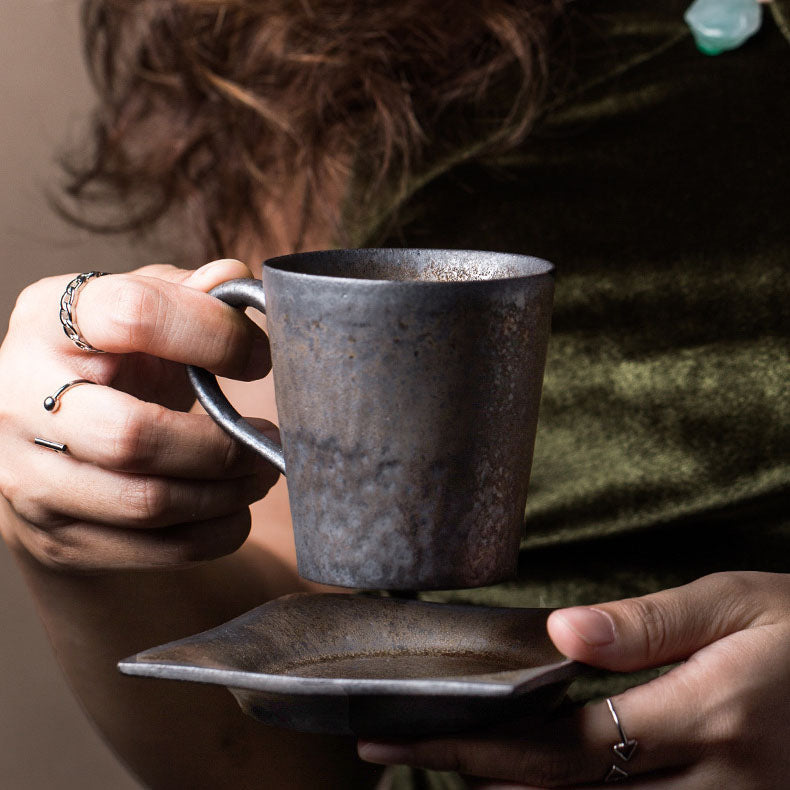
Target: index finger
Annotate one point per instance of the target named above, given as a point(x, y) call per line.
point(128, 313)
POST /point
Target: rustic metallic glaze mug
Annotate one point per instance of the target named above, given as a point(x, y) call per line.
point(407, 386)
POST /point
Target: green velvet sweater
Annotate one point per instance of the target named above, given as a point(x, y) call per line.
point(657, 181)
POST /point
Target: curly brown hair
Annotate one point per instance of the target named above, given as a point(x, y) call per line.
point(210, 109)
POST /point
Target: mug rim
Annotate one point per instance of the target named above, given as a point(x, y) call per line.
point(275, 265)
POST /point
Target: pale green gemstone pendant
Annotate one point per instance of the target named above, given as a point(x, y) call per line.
point(720, 25)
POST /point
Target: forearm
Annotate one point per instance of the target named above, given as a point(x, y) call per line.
point(172, 734)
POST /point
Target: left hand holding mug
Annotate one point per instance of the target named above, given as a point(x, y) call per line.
point(720, 719)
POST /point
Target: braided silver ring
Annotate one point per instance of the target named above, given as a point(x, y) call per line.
point(67, 315)
point(623, 749)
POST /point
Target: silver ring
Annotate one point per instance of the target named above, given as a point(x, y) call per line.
point(52, 402)
point(56, 446)
point(67, 307)
point(624, 748)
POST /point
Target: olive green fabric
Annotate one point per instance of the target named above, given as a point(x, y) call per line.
point(657, 181)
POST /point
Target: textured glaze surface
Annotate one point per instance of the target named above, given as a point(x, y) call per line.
point(407, 385)
point(344, 663)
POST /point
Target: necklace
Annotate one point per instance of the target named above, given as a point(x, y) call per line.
point(721, 25)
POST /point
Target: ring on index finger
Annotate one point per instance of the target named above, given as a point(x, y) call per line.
point(68, 318)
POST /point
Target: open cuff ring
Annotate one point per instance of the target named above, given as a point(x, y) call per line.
point(52, 402)
point(56, 446)
point(624, 749)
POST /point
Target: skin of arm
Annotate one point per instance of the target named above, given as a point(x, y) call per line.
point(173, 734)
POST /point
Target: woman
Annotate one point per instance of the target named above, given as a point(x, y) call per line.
point(594, 135)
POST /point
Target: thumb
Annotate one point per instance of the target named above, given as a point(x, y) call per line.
point(656, 629)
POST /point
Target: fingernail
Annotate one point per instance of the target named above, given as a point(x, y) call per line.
point(384, 753)
point(593, 626)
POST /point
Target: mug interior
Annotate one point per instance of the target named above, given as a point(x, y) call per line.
point(412, 265)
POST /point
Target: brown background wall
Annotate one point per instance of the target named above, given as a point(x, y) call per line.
point(45, 740)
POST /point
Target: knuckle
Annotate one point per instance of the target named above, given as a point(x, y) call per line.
point(25, 503)
point(27, 308)
point(740, 596)
point(130, 441)
point(7, 421)
point(10, 482)
point(651, 624)
point(732, 582)
point(56, 550)
point(232, 344)
point(30, 502)
point(146, 499)
point(137, 311)
point(728, 731)
point(230, 452)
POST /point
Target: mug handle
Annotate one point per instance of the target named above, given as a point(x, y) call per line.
point(237, 293)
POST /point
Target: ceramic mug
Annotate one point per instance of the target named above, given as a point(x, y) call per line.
point(407, 384)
